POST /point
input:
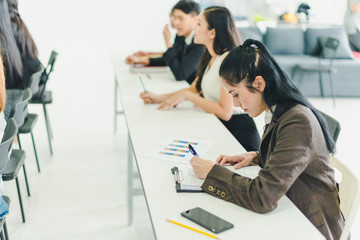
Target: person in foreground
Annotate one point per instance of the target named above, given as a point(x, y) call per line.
point(216, 30)
point(294, 151)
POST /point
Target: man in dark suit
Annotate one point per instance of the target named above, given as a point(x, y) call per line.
point(182, 56)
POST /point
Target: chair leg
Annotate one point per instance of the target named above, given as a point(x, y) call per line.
point(6, 231)
point(332, 88)
point(48, 129)
point(321, 85)
point(48, 121)
point(20, 200)
point(36, 157)
point(18, 137)
point(26, 181)
point(294, 73)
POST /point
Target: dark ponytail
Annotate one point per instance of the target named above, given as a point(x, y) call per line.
point(246, 62)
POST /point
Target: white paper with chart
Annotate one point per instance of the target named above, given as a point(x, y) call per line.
point(176, 149)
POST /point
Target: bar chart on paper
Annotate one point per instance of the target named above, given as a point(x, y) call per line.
point(176, 149)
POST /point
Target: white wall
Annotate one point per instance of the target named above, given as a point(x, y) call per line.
point(138, 24)
point(323, 11)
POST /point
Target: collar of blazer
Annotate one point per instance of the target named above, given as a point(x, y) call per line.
point(279, 111)
point(264, 144)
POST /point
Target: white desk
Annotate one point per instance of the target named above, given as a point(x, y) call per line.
point(131, 86)
point(148, 127)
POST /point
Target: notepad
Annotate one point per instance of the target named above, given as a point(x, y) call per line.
point(141, 68)
point(187, 181)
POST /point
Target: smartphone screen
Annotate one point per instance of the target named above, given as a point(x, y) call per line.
point(207, 220)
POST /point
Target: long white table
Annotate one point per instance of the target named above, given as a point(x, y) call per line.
point(148, 127)
point(128, 84)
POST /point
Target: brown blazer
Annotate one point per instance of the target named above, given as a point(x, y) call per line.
point(294, 161)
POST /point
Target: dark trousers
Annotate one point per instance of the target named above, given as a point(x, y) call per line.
point(243, 128)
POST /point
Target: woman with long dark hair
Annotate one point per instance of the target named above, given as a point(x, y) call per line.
point(295, 147)
point(216, 30)
point(26, 45)
point(12, 61)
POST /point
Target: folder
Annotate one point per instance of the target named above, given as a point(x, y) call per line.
point(186, 180)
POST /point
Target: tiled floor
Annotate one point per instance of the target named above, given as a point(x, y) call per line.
point(81, 191)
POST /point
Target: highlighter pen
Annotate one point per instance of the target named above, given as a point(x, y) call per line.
point(141, 81)
point(192, 150)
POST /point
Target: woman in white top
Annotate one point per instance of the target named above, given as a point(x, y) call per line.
point(216, 30)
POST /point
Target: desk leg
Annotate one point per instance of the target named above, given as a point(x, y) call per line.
point(130, 182)
point(115, 105)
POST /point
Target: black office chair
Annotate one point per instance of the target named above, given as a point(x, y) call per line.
point(333, 126)
point(329, 50)
point(10, 167)
point(44, 97)
point(4, 233)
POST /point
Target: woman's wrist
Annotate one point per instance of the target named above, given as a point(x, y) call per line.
point(256, 157)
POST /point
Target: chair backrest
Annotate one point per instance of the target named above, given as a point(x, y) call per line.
point(330, 48)
point(35, 80)
point(349, 192)
point(51, 62)
point(19, 110)
point(333, 125)
point(10, 132)
point(46, 73)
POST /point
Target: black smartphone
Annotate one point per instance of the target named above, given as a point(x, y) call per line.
point(207, 220)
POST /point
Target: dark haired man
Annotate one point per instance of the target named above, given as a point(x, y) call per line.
point(182, 57)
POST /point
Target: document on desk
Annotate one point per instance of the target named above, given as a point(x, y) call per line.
point(176, 149)
point(187, 181)
point(141, 68)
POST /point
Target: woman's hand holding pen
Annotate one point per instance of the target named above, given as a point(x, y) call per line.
point(150, 97)
point(201, 167)
point(238, 161)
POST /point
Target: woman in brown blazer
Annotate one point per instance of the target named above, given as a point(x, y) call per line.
point(294, 150)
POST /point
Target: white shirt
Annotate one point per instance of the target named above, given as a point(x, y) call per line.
point(211, 83)
point(188, 39)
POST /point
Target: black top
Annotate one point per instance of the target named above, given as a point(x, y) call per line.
point(181, 58)
point(12, 81)
point(30, 66)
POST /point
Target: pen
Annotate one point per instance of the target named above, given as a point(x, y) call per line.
point(192, 150)
point(185, 226)
point(140, 78)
